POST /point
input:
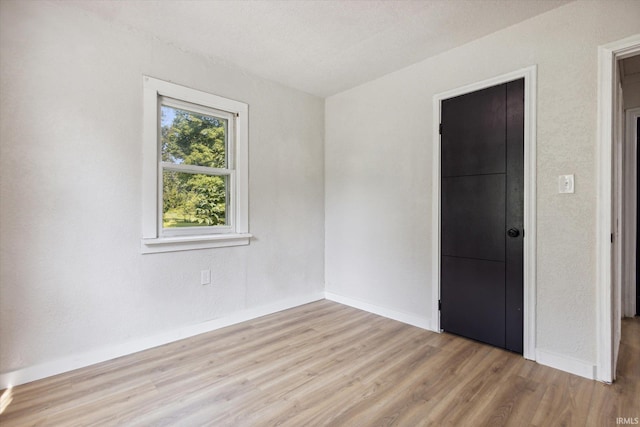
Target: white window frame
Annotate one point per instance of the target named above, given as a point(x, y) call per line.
point(236, 231)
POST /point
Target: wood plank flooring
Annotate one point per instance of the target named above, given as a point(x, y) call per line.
point(325, 364)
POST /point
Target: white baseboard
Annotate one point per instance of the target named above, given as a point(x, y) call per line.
point(70, 363)
point(565, 363)
point(411, 319)
point(76, 361)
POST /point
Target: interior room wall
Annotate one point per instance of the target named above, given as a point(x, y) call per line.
point(73, 279)
point(378, 183)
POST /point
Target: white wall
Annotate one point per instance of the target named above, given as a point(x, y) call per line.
point(378, 156)
point(72, 278)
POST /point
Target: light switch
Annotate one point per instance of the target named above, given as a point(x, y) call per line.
point(205, 277)
point(565, 184)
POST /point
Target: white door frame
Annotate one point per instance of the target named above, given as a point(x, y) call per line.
point(607, 323)
point(530, 78)
point(630, 212)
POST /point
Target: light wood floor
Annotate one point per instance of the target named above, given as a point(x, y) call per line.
point(328, 364)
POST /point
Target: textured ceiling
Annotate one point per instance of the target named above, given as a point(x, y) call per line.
point(320, 47)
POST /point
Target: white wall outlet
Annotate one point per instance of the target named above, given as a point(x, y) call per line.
point(565, 184)
point(205, 277)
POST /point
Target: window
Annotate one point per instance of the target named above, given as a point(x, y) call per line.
point(194, 169)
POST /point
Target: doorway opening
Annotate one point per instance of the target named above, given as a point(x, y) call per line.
point(629, 74)
point(612, 231)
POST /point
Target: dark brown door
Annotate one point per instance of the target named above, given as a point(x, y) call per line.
point(482, 194)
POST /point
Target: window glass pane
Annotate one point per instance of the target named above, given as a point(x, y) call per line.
point(193, 200)
point(193, 138)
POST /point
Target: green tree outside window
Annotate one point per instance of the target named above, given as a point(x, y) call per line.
point(193, 199)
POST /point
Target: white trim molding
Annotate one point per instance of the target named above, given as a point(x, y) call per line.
point(77, 361)
point(608, 55)
point(530, 80)
point(567, 364)
point(410, 319)
point(187, 243)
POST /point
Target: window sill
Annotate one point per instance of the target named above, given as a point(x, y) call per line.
point(187, 243)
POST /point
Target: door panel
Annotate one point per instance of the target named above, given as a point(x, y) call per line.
point(477, 286)
point(478, 132)
point(475, 216)
point(482, 194)
point(515, 216)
